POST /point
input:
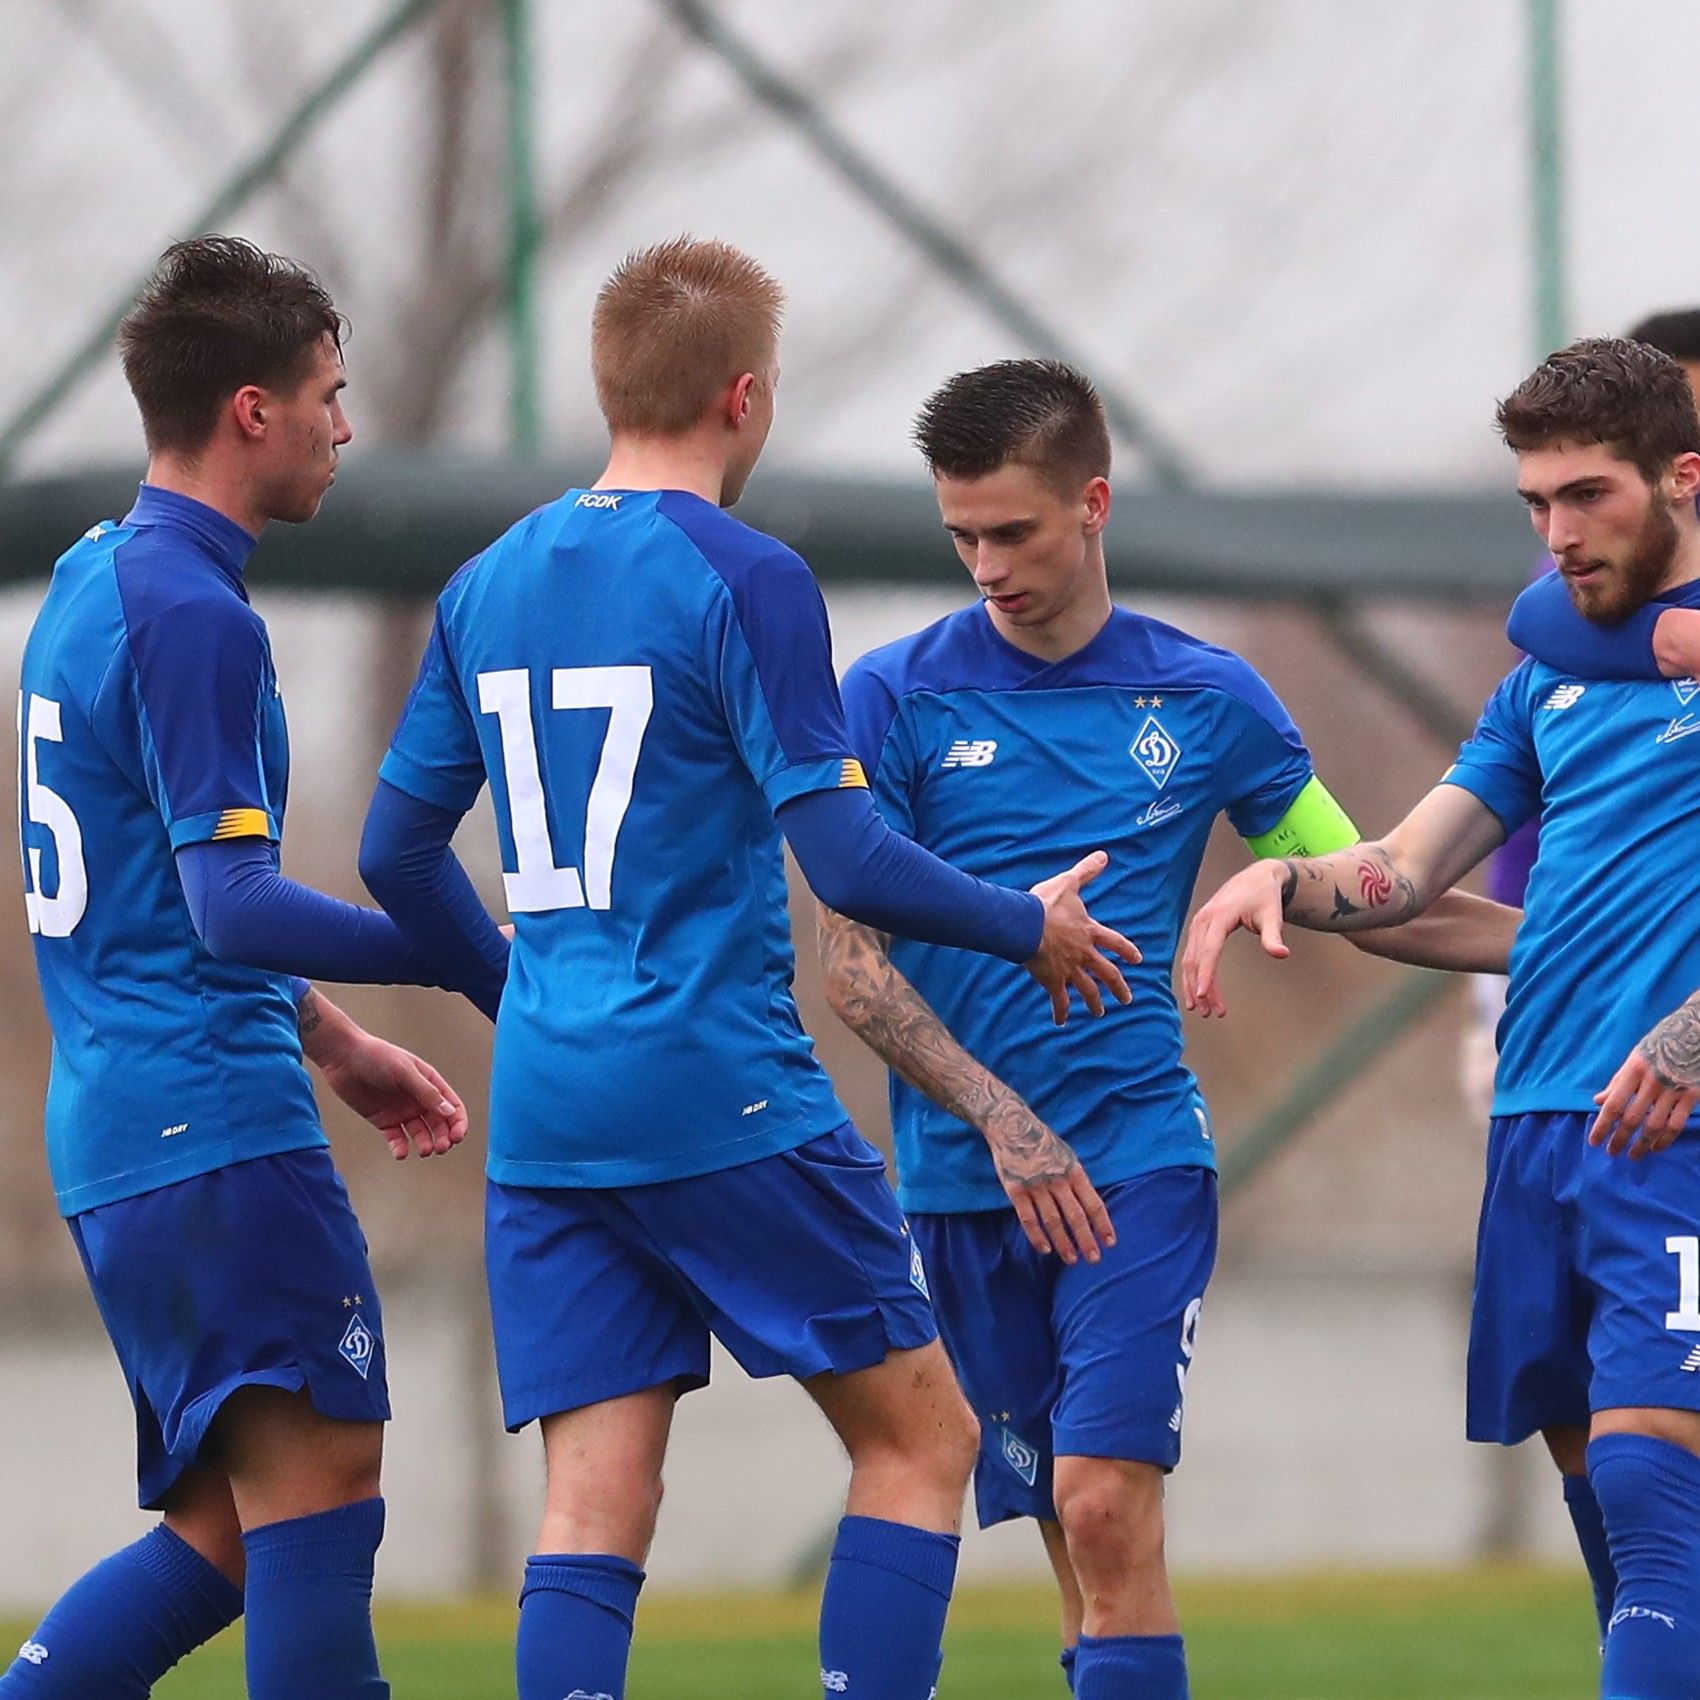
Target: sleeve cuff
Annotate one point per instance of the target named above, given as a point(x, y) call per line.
point(214, 825)
point(829, 773)
point(429, 785)
point(1481, 787)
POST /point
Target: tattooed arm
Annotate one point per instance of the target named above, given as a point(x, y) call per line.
point(1055, 1202)
point(1649, 1100)
point(1380, 884)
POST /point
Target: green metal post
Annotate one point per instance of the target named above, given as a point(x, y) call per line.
point(524, 232)
point(1546, 175)
point(231, 198)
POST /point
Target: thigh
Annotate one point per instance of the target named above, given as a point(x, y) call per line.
point(800, 1263)
point(1529, 1319)
point(992, 1296)
point(1127, 1326)
point(254, 1275)
point(582, 1311)
point(285, 1459)
point(1639, 1249)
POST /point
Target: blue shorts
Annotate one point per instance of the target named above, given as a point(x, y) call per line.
point(1587, 1280)
point(1088, 1360)
point(800, 1264)
point(250, 1275)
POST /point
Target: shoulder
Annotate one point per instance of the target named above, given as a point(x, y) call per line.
point(736, 554)
point(948, 655)
point(1150, 651)
point(169, 590)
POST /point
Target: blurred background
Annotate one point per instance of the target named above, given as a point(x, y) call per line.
point(1302, 245)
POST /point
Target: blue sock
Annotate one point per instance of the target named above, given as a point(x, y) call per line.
point(1649, 1494)
point(1131, 1667)
point(1596, 1550)
point(1066, 1659)
point(310, 1606)
point(575, 1625)
point(882, 1615)
point(119, 1629)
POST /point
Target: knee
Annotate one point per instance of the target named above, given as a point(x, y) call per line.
point(1111, 1515)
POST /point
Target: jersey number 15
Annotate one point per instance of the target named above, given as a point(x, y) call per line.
point(627, 692)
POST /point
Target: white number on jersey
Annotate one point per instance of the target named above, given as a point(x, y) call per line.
point(627, 692)
point(1686, 1249)
point(52, 917)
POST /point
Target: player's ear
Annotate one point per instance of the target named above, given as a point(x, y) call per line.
point(738, 398)
point(250, 407)
point(1682, 482)
point(1095, 499)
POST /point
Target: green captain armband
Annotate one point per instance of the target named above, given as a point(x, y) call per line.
point(1313, 825)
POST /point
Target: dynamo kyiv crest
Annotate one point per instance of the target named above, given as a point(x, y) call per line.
point(1154, 752)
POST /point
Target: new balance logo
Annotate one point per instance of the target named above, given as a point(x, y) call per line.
point(33, 1653)
point(970, 752)
point(1566, 696)
point(585, 1694)
point(1692, 1362)
point(835, 1682)
point(596, 499)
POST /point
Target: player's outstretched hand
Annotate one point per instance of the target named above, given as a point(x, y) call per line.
point(1651, 1097)
point(1072, 948)
point(1058, 1207)
point(1251, 899)
point(400, 1094)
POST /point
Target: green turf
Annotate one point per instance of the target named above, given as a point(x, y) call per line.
point(1499, 1634)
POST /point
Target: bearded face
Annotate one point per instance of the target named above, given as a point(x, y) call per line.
point(1606, 589)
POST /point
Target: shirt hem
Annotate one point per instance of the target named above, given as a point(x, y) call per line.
point(605, 1172)
point(91, 1195)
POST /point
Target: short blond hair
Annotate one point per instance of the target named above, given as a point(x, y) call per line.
point(674, 325)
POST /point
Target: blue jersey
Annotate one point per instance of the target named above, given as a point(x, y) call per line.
point(149, 718)
point(644, 680)
point(1012, 768)
point(1610, 942)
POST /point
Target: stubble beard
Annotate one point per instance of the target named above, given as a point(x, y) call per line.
point(1638, 579)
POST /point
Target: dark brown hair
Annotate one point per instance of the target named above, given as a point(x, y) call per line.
point(1626, 395)
point(1039, 413)
point(218, 313)
point(673, 326)
point(1676, 332)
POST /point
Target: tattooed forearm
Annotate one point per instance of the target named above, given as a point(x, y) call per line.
point(308, 1014)
point(879, 1005)
point(1672, 1049)
point(1348, 890)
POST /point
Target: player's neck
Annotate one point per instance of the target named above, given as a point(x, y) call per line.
point(1685, 564)
point(204, 482)
point(1066, 633)
point(690, 462)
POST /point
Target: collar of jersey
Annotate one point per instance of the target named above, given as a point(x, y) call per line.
point(1025, 668)
point(219, 535)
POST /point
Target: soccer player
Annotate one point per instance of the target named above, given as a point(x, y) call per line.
point(1587, 1308)
point(648, 686)
point(1677, 333)
point(1061, 1187)
point(182, 1135)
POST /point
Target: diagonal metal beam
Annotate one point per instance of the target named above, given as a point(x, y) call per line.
point(947, 251)
point(230, 198)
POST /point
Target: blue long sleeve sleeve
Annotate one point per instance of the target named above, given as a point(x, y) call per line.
point(245, 910)
point(1544, 623)
point(856, 864)
point(408, 866)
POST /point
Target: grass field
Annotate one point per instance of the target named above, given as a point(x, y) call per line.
point(1491, 1634)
